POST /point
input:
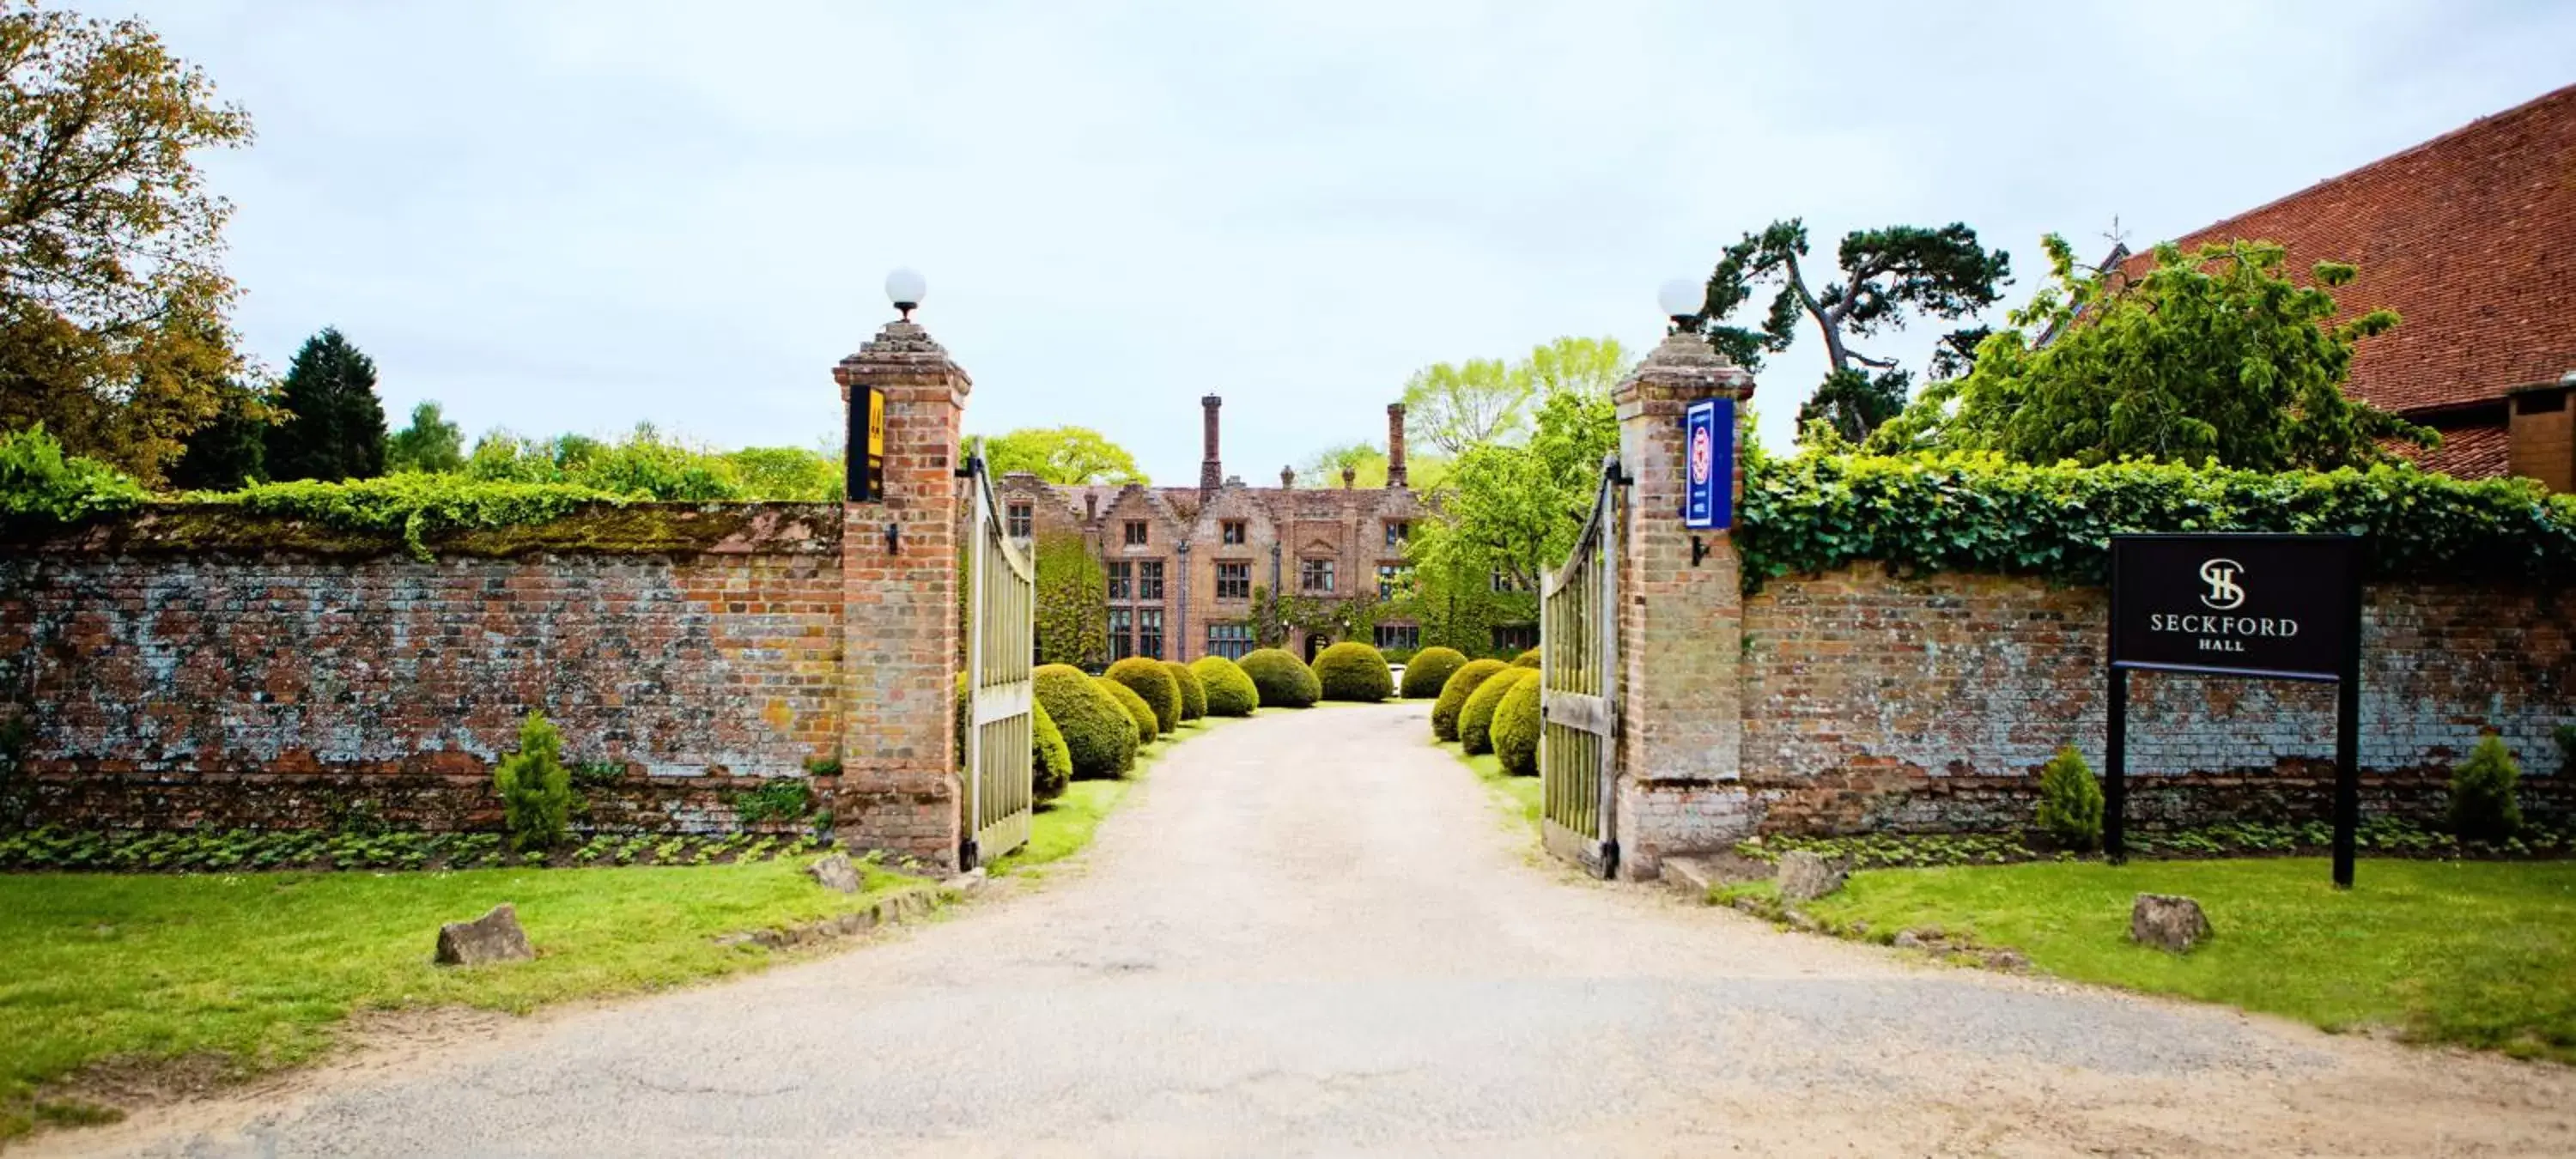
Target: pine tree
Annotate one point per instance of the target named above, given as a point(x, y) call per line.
point(336, 426)
point(229, 452)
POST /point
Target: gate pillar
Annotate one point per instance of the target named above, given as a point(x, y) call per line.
point(899, 788)
point(1680, 624)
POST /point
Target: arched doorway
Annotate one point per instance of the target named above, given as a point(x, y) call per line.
point(1315, 644)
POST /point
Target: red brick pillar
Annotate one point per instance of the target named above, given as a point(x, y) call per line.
point(1680, 625)
point(899, 788)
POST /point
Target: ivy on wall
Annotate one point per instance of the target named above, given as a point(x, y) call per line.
point(1979, 512)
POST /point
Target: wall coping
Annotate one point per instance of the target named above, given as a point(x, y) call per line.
point(607, 529)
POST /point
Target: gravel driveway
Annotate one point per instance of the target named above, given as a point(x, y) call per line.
point(1313, 934)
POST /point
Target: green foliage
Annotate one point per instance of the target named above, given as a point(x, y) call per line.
point(334, 426)
point(1454, 693)
point(1852, 403)
point(644, 463)
point(1284, 680)
point(1229, 691)
point(2565, 735)
point(231, 450)
point(417, 506)
point(1430, 670)
point(1353, 671)
point(1050, 759)
point(1814, 513)
point(1073, 603)
point(1476, 716)
point(2483, 807)
point(2214, 358)
point(1193, 693)
point(1528, 659)
point(1515, 728)
point(777, 799)
point(1067, 455)
point(534, 787)
point(1148, 725)
point(40, 484)
point(430, 443)
point(1153, 684)
point(1515, 510)
point(1098, 733)
point(2070, 801)
point(1451, 409)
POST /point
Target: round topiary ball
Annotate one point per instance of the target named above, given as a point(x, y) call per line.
point(1148, 725)
point(1098, 733)
point(1229, 691)
point(1050, 762)
point(1454, 693)
point(1516, 727)
point(1153, 682)
point(1193, 693)
point(1527, 659)
point(1353, 671)
point(1284, 680)
point(1429, 670)
point(1476, 720)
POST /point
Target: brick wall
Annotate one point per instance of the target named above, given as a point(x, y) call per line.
point(178, 671)
point(1872, 702)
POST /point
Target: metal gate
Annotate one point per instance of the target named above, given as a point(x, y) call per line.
point(1579, 689)
point(1001, 637)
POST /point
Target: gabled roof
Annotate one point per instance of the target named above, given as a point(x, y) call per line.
point(2470, 237)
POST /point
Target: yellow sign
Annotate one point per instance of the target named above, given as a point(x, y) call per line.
point(865, 482)
point(876, 424)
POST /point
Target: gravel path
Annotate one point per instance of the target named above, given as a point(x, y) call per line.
point(1311, 933)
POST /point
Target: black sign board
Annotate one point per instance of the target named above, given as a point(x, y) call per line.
point(864, 452)
point(2279, 607)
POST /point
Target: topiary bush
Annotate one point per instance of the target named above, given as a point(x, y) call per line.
point(1284, 680)
point(1098, 733)
point(2483, 807)
point(1430, 670)
point(1454, 693)
point(535, 787)
point(1527, 659)
point(1148, 725)
point(1050, 760)
point(1193, 693)
point(1394, 656)
point(1229, 691)
point(1515, 728)
point(1476, 720)
point(1353, 671)
point(2070, 801)
point(1153, 683)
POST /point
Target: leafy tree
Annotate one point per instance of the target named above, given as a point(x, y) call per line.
point(2212, 358)
point(335, 427)
point(1885, 274)
point(1073, 603)
point(229, 452)
point(1516, 509)
point(789, 474)
point(1449, 409)
point(40, 483)
point(113, 329)
point(1068, 455)
point(430, 443)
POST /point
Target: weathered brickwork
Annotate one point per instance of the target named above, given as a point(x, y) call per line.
point(1872, 702)
point(171, 681)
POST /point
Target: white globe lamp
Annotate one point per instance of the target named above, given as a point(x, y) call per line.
point(1681, 299)
point(905, 288)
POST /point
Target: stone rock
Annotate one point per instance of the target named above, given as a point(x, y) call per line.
point(2167, 922)
point(835, 873)
point(2006, 960)
point(494, 937)
point(1806, 876)
point(1908, 940)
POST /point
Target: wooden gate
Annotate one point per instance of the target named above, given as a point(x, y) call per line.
point(1579, 689)
point(1001, 638)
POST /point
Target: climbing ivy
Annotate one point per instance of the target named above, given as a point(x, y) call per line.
point(1979, 512)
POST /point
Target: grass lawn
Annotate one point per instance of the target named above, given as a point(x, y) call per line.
point(1062, 827)
point(2476, 953)
point(1519, 794)
point(259, 968)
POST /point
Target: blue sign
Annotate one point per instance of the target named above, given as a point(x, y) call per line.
point(1708, 455)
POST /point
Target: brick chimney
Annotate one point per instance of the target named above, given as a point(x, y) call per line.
point(1091, 507)
point(1211, 475)
point(1395, 445)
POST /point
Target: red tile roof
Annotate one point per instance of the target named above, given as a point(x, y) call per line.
point(2480, 452)
point(2470, 237)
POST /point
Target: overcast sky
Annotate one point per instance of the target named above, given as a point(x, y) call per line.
point(556, 215)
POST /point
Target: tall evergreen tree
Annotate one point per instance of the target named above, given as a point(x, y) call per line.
point(230, 451)
point(336, 425)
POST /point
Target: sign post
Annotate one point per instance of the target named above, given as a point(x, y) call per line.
point(1708, 447)
point(2258, 606)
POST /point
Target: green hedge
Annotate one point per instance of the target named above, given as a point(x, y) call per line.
point(1529, 659)
point(1516, 727)
point(1431, 669)
point(1284, 680)
point(1454, 693)
point(1476, 720)
point(1193, 692)
point(1153, 684)
point(1051, 760)
point(1815, 513)
point(1353, 671)
point(1148, 725)
point(1229, 691)
point(1098, 733)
